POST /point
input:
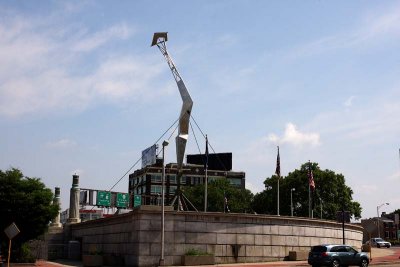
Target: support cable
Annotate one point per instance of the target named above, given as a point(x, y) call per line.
point(141, 157)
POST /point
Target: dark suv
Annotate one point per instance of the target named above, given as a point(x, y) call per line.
point(336, 255)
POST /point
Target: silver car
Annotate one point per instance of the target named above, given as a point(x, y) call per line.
point(378, 242)
point(336, 255)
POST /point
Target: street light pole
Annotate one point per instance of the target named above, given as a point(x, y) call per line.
point(320, 201)
point(164, 144)
point(377, 212)
point(291, 200)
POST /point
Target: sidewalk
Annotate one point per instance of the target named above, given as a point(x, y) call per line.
point(379, 256)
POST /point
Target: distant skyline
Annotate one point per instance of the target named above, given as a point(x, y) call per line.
point(82, 91)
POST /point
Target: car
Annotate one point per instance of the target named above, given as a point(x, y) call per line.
point(336, 255)
point(378, 242)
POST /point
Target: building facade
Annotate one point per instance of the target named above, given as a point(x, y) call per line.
point(146, 182)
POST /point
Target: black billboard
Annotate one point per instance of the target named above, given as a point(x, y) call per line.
point(216, 161)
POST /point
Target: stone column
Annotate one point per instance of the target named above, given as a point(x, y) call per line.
point(74, 201)
point(55, 223)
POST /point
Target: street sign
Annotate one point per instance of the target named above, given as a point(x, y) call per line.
point(103, 198)
point(11, 231)
point(137, 200)
point(122, 200)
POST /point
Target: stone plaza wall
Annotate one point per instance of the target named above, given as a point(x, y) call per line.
point(135, 237)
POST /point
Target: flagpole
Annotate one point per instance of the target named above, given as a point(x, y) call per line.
point(205, 177)
point(309, 191)
point(278, 172)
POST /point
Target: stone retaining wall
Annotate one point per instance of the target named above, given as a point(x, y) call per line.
point(136, 236)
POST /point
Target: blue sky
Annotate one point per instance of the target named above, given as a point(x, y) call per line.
point(82, 91)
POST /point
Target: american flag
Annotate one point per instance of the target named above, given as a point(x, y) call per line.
point(278, 165)
point(311, 178)
point(206, 160)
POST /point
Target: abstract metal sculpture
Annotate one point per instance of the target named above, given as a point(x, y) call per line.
point(159, 39)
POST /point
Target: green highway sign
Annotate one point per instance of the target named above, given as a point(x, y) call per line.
point(103, 198)
point(137, 200)
point(122, 200)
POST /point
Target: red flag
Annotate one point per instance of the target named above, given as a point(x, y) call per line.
point(278, 165)
point(311, 178)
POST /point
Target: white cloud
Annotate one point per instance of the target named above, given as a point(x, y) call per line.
point(294, 137)
point(100, 38)
point(394, 176)
point(38, 63)
point(372, 30)
point(349, 101)
point(61, 144)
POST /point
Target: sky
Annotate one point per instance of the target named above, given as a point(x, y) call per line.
point(82, 91)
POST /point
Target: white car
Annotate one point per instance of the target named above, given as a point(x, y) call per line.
point(379, 242)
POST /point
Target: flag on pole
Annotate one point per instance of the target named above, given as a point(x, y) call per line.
point(206, 159)
point(278, 165)
point(311, 178)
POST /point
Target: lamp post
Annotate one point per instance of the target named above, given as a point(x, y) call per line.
point(164, 144)
point(377, 211)
point(320, 201)
point(291, 200)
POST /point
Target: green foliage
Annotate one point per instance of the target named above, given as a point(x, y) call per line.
point(24, 255)
point(195, 252)
point(26, 202)
point(331, 192)
point(239, 200)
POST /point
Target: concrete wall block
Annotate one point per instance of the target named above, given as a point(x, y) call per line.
point(211, 248)
point(310, 231)
point(149, 236)
point(298, 230)
point(263, 240)
point(150, 225)
point(216, 227)
point(267, 251)
point(179, 237)
point(255, 229)
point(266, 229)
point(254, 251)
point(304, 241)
point(226, 238)
point(201, 238)
point(133, 236)
point(148, 261)
point(178, 226)
point(177, 249)
point(274, 230)
point(278, 240)
point(239, 228)
point(285, 229)
point(245, 239)
point(292, 241)
point(155, 249)
point(196, 227)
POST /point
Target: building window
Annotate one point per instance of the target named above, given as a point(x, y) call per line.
point(156, 178)
point(172, 190)
point(172, 179)
point(235, 182)
point(156, 189)
point(386, 234)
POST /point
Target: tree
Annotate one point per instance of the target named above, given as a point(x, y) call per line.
point(239, 200)
point(26, 202)
point(331, 193)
